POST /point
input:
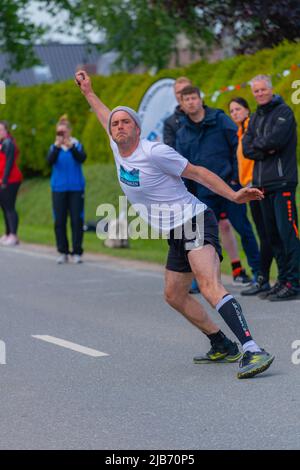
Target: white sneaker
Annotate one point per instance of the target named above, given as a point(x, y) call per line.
point(62, 259)
point(77, 259)
point(11, 240)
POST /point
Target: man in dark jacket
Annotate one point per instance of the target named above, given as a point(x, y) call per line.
point(174, 122)
point(271, 141)
point(209, 138)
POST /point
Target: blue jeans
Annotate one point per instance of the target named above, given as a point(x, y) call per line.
point(237, 214)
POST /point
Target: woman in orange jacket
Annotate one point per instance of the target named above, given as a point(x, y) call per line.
point(240, 114)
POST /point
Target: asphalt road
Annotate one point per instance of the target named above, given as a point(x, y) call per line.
point(145, 392)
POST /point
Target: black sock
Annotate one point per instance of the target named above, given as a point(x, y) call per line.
point(231, 312)
point(217, 338)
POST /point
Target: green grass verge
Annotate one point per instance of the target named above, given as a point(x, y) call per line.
point(36, 224)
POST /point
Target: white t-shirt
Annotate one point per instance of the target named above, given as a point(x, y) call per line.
point(151, 180)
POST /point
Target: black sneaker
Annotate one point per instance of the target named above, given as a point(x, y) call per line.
point(288, 292)
point(253, 363)
point(261, 285)
point(273, 291)
point(242, 279)
point(225, 352)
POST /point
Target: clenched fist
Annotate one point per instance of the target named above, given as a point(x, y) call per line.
point(83, 81)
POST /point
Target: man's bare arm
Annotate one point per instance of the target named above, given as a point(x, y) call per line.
point(212, 181)
point(102, 111)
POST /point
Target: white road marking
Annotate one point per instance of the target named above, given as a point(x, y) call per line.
point(67, 344)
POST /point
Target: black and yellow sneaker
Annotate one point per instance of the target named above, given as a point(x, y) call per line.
point(221, 353)
point(253, 363)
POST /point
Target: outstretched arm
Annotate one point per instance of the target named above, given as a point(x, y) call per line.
point(84, 82)
point(211, 181)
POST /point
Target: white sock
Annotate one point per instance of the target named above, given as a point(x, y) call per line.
point(251, 346)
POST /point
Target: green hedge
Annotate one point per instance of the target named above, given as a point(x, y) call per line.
point(35, 110)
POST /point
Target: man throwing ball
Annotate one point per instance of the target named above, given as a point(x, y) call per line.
point(150, 175)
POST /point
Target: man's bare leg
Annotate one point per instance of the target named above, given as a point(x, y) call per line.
point(228, 239)
point(206, 267)
point(205, 264)
point(230, 245)
point(177, 295)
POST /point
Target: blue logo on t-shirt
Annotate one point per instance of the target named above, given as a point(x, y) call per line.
point(131, 178)
point(152, 136)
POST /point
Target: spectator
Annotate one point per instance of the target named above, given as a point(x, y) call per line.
point(10, 181)
point(173, 123)
point(66, 156)
point(208, 138)
point(171, 126)
point(271, 141)
point(240, 113)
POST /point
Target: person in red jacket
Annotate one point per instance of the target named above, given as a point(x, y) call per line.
point(10, 181)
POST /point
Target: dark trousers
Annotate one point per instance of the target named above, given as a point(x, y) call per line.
point(266, 252)
point(237, 214)
point(8, 198)
point(281, 222)
point(64, 203)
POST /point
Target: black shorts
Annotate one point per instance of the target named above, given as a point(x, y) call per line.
point(178, 248)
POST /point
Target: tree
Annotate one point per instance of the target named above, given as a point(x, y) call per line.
point(17, 35)
point(254, 24)
point(146, 31)
point(142, 31)
point(139, 32)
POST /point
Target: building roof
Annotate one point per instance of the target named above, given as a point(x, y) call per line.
point(59, 62)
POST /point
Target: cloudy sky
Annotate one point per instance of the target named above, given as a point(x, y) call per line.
point(41, 17)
